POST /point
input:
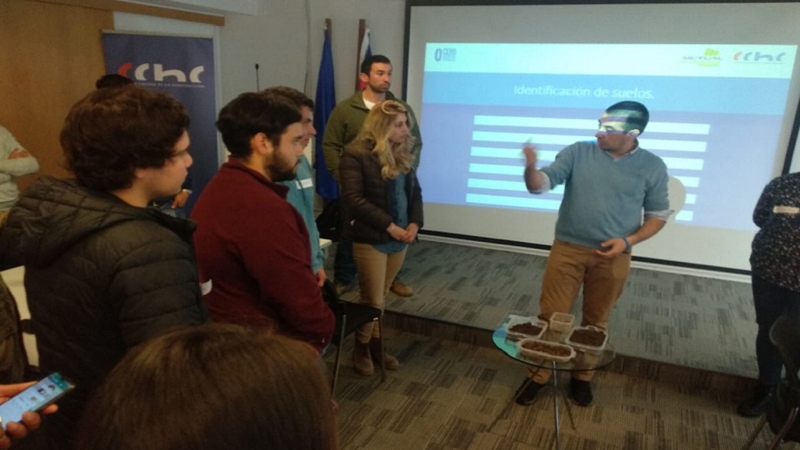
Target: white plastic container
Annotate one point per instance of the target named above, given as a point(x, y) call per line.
point(581, 346)
point(569, 351)
point(518, 320)
point(561, 321)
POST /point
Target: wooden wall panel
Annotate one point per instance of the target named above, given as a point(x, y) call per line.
point(50, 56)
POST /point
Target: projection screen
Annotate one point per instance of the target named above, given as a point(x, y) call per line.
point(720, 81)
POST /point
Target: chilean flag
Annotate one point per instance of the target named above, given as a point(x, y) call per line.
point(364, 52)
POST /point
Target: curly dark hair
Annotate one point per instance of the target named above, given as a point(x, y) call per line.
point(293, 94)
point(252, 113)
point(110, 133)
point(112, 80)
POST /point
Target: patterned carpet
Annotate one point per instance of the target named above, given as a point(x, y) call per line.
point(453, 395)
point(683, 320)
point(454, 389)
point(685, 352)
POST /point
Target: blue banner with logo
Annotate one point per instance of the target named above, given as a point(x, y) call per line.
point(183, 67)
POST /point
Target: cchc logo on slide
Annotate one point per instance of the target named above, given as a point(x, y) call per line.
point(156, 73)
point(444, 54)
point(758, 57)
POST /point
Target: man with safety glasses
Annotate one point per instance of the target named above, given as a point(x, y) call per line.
point(615, 196)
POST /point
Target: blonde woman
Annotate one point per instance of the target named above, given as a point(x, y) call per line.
point(383, 212)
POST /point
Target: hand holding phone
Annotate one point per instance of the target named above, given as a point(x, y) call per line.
point(34, 399)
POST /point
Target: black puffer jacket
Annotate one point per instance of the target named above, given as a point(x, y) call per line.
point(366, 196)
point(101, 276)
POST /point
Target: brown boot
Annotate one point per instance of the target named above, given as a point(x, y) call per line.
point(362, 363)
point(401, 289)
point(389, 361)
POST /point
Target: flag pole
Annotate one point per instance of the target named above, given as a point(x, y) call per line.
point(362, 29)
point(328, 27)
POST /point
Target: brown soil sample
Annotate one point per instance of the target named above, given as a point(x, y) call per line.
point(592, 338)
point(526, 328)
point(541, 347)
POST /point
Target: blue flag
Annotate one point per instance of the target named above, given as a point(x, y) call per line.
point(327, 187)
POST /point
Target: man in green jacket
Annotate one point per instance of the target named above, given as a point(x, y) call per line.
point(343, 125)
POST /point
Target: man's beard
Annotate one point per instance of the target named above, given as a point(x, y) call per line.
point(379, 89)
point(281, 170)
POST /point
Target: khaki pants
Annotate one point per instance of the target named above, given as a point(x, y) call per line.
point(568, 267)
point(376, 271)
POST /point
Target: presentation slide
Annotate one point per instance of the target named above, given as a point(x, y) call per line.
point(711, 106)
point(486, 79)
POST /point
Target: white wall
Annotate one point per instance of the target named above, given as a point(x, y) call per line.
point(285, 39)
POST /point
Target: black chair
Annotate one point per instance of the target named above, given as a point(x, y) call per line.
point(781, 414)
point(349, 316)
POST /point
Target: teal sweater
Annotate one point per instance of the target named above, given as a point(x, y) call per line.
point(301, 196)
point(605, 198)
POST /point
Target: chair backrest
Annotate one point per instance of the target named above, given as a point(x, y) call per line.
point(329, 221)
point(785, 336)
point(349, 315)
point(331, 298)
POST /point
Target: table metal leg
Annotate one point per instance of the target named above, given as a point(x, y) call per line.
point(556, 417)
point(554, 378)
point(569, 408)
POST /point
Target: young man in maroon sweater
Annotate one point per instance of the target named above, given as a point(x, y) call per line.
point(253, 250)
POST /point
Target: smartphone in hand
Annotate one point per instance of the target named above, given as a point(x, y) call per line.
point(35, 398)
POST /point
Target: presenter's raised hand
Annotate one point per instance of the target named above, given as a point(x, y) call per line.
point(529, 150)
point(534, 180)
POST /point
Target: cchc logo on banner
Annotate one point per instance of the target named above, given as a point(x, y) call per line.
point(156, 73)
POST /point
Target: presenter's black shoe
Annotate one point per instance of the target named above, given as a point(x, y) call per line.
point(581, 392)
point(527, 392)
point(757, 403)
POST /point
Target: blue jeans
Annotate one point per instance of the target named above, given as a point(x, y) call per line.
point(771, 302)
point(344, 268)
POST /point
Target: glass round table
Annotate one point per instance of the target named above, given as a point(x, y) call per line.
point(584, 360)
